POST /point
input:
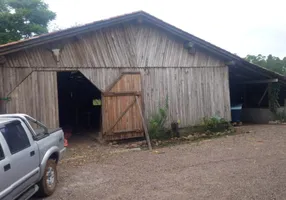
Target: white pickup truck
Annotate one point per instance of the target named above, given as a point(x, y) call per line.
point(29, 153)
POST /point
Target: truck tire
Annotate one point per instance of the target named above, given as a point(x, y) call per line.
point(48, 183)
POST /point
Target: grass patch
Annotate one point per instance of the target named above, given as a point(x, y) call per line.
point(192, 137)
point(209, 129)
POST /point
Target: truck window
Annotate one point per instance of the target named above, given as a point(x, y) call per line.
point(2, 156)
point(36, 125)
point(15, 137)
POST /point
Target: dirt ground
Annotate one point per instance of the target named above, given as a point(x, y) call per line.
point(250, 165)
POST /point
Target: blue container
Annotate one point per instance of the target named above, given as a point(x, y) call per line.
point(236, 113)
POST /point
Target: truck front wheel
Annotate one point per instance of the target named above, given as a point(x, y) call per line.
point(49, 181)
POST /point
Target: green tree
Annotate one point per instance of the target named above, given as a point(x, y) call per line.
point(269, 62)
point(23, 18)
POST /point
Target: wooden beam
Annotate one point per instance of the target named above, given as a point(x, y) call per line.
point(111, 94)
point(144, 124)
point(262, 97)
point(284, 108)
point(130, 73)
point(275, 80)
point(125, 131)
point(269, 94)
point(19, 84)
point(244, 96)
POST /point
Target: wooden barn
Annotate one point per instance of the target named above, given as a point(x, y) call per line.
point(99, 75)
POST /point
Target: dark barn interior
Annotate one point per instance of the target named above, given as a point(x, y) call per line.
point(79, 103)
point(251, 89)
point(249, 93)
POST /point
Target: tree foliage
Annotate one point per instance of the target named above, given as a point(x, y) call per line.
point(269, 62)
point(23, 18)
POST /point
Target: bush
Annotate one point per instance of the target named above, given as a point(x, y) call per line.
point(280, 116)
point(215, 124)
point(157, 122)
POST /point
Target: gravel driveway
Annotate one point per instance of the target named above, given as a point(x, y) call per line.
point(251, 165)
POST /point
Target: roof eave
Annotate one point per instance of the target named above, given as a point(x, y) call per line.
point(66, 33)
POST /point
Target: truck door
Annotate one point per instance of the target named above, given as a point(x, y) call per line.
point(5, 181)
point(24, 161)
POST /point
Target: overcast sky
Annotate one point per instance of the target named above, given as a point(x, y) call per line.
point(239, 26)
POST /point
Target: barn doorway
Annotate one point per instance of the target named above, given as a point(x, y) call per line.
point(79, 103)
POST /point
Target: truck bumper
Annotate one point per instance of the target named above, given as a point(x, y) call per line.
point(62, 153)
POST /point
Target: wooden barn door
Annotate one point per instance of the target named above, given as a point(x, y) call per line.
point(120, 112)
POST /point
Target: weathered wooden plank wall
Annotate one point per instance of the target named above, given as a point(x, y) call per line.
point(37, 96)
point(197, 85)
point(11, 77)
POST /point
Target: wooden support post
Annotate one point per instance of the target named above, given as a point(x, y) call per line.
point(269, 94)
point(244, 96)
point(262, 97)
point(284, 108)
point(144, 124)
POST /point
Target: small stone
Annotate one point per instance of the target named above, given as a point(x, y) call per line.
point(133, 145)
point(190, 137)
point(273, 122)
point(158, 152)
point(248, 132)
point(135, 149)
point(141, 143)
